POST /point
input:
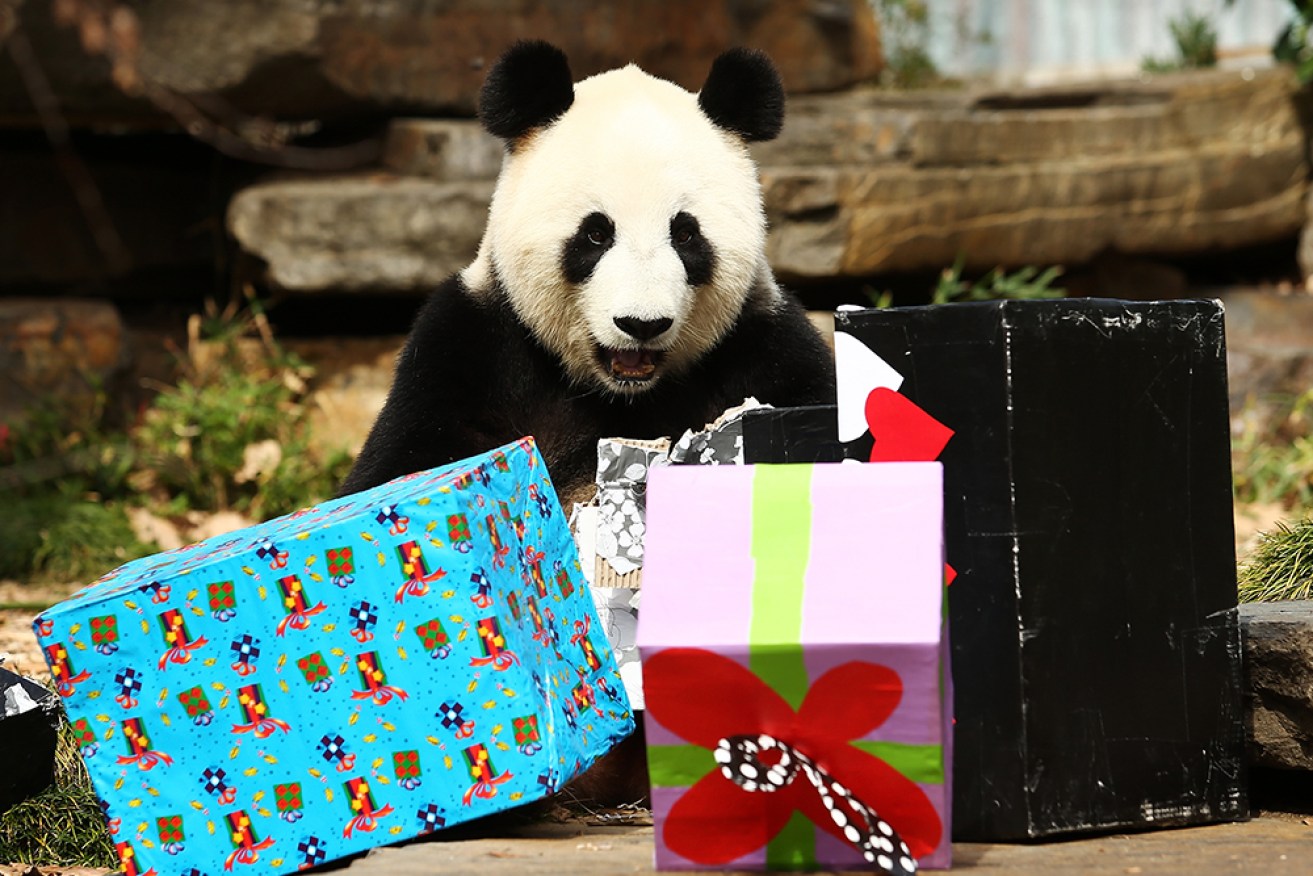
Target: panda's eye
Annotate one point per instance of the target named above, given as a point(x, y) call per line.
point(597, 230)
point(683, 229)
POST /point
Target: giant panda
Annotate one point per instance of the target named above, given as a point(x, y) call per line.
point(621, 288)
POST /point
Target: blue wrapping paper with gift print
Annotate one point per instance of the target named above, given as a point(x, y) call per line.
point(354, 674)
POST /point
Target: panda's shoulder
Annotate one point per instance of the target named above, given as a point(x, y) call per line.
point(774, 352)
point(457, 329)
point(771, 326)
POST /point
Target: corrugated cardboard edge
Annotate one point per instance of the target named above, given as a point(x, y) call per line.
point(607, 576)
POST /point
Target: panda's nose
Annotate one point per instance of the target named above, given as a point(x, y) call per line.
point(642, 329)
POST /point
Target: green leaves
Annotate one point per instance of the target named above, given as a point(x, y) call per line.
point(1025, 284)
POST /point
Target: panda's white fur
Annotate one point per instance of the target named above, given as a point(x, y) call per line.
point(639, 150)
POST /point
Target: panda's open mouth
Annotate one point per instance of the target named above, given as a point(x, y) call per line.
point(630, 366)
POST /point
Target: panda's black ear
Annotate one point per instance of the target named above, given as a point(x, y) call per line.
point(743, 94)
point(529, 87)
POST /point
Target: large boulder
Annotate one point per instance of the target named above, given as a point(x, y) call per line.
point(867, 182)
point(299, 59)
point(364, 232)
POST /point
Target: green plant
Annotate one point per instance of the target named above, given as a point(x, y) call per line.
point(879, 299)
point(234, 433)
point(1272, 456)
point(57, 438)
point(63, 825)
point(62, 472)
point(1196, 45)
point(1026, 283)
point(1281, 566)
point(905, 32)
point(66, 534)
point(1295, 44)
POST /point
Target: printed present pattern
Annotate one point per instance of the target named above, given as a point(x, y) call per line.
point(799, 716)
point(351, 675)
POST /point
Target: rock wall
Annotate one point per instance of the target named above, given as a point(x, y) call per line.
point(327, 58)
point(868, 182)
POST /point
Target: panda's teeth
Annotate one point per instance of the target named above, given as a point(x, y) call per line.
point(631, 365)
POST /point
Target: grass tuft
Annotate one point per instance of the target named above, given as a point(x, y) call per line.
point(1272, 452)
point(1281, 566)
point(63, 825)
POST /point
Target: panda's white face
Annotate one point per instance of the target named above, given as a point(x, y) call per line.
point(628, 233)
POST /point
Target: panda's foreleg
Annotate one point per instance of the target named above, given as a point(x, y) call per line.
point(436, 412)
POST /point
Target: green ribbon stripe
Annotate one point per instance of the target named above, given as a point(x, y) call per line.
point(681, 766)
point(781, 547)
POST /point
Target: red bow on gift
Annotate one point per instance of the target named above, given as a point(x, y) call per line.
point(704, 698)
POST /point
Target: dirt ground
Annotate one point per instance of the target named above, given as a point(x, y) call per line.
point(1264, 845)
point(19, 606)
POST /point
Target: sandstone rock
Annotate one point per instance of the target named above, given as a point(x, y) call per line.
point(56, 348)
point(1269, 352)
point(449, 150)
point(1278, 639)
point(360, 232)
point(1305, 253)
point(352, 379)
point(866, 183)
point(293, 58)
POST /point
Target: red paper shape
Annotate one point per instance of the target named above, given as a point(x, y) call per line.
point(902, 431)
point(703, 697)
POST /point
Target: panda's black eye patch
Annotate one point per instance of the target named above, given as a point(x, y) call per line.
point(585, 248)
point(692, 248)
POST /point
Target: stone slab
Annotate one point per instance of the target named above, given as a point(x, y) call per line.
point(1278, 641)
point(360, 232)
point(1269, 350)
point(867, 183)
point(57, 348)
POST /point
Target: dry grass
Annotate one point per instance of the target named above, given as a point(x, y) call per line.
point(1281, 566)
point(62, 826)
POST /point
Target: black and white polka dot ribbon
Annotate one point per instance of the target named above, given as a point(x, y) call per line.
point(740, 761)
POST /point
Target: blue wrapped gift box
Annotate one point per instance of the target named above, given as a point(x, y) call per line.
point(354, 674)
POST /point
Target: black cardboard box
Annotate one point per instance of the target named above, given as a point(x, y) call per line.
point(28, 742)
point(791, 435)
point(1088, 515)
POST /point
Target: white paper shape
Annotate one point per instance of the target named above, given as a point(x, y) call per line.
point(617, 609)
point(583, 523)
point(18, 701)
point(858, 371)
